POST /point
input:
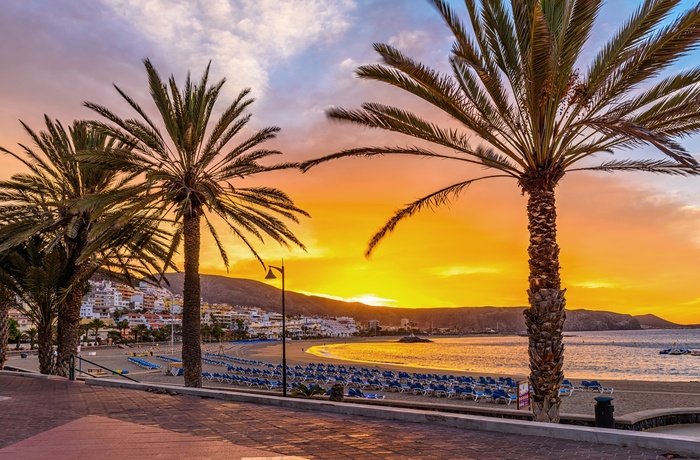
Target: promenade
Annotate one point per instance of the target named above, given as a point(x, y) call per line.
point(52, 418)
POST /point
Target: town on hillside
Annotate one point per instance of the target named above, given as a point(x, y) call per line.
point(113, 312)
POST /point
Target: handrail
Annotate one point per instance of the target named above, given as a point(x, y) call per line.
point(71, 374)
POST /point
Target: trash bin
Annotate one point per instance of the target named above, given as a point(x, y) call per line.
point(604, 409)
point(23, 355)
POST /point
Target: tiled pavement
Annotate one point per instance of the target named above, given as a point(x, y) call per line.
point(57, 419)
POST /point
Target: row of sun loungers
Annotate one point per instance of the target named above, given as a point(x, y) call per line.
point(479, 389)
point(594, 385)
point(567, 387)
point(236, 359)
point(242, 380)
point(143, 363)
point(355, 393)
point(169, 359)
point(361, 379)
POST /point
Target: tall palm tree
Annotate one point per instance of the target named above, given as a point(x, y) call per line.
point(63, 198)
point(189, 175)
point(520, 108)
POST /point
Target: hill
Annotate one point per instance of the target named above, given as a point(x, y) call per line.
point(654, 322)
point(245, 292)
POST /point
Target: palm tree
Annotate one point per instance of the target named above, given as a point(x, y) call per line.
point(83, 331)
point(533, 116)
point(205, 332)
point(6, 300)
point(63, 198)
point(122, 326)
point(14, 333)
point(37, 278)
point(95, 325)
point(140, 332)
point(32, 335)
point(188, 174)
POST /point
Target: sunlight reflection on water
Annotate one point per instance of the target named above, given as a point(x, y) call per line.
point(599, 355)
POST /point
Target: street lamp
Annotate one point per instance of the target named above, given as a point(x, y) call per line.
point(172, 324)
point(271, 276)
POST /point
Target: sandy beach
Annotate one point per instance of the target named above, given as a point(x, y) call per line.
point(629, 395)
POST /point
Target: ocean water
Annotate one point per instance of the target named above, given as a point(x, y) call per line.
point(587, 355)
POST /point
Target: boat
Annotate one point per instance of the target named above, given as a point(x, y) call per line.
point(414, 339)
point(675, 351)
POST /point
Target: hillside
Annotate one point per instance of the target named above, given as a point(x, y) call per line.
point(654, 322)
point(236, 291)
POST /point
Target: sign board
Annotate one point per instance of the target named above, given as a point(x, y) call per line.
point(524, 395)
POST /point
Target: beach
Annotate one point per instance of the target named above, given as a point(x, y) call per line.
point(629, 395)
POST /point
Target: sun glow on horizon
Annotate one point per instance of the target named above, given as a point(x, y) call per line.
point(367, 299)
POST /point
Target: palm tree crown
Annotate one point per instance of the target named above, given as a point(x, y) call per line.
point(515, 88)
point(187, 173)
point(62, 198)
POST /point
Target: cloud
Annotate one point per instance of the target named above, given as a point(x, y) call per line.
point(348, 64)
point(409, 40)
point(462, 270)
point(593, 284)
point(244, 39)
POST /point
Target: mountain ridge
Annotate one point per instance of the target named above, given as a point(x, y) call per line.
point(246, 292)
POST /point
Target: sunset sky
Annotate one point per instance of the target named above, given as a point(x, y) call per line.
point(630, 243)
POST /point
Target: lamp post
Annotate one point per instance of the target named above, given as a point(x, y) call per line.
point(271, 276)
point(172, 325)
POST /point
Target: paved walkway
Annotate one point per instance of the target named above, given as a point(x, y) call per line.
point(57, 419)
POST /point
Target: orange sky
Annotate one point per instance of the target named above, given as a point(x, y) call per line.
point(629, 243)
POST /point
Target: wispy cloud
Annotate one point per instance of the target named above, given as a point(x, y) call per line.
point(409, 40)
point(245, 41)
point(462, 270)
point(594, 284)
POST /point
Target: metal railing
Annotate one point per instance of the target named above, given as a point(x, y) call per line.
point(72, 369)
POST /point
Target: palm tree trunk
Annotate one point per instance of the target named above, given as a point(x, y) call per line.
point(545, 317)
point(45, 349)
point(191, 321)
point(68, 334)
point(4, 329)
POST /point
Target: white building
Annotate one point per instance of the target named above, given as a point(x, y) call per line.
point(102, 300)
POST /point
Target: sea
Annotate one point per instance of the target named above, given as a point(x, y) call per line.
point(606, 355)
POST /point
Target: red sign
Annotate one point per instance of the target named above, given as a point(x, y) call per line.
point(524, 395)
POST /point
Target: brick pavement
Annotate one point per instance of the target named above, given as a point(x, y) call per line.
point(55, 409)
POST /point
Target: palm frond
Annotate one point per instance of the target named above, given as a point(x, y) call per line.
point(436, 199)
point(666, 167)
